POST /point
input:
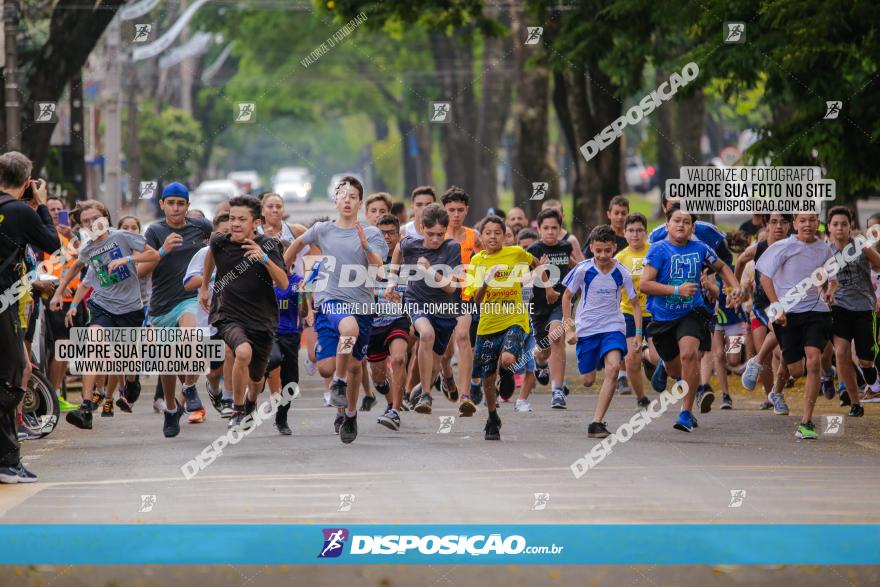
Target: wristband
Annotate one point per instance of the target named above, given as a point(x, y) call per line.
point(129, 259)
point(638, 330)
point(675, 291)
point(162, 252)
point(367, 248)
point(265, 259)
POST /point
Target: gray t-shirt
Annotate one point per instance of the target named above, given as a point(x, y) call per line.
point(788, 262)
point(418, 292)
point(118, 291)
point(855, 290)
point(342, 252)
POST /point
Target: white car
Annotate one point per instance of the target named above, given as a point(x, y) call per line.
point(212, 192)
point(293, 191)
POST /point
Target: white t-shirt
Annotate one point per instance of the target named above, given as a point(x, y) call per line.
point(409, 230)
point(790, 261)
point(599, 308)
point(196, 268)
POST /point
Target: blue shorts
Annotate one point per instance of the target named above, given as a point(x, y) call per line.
point(592, 349)
point(631, 325)
point(489, 347)
point(327, 329)
point(171, 319)
point(443, 329)
point(526, 363)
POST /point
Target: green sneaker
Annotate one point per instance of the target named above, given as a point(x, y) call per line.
point(65, 405)
point(806, 431)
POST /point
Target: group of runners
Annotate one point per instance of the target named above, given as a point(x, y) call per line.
point(407, 311)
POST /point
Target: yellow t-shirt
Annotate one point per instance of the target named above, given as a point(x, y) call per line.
point(635, 262)
point(502, 306)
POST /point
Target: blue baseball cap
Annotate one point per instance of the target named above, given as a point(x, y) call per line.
point(176, 189)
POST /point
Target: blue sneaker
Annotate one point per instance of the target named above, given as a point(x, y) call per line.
point(685, 421)
point(476, 394)
point(751, 373)
point(191, 397)
point(557, 400)
point(658, 379)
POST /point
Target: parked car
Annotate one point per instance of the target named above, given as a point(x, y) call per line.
point(247, 181)
point(212, 192)
point(334, 181)
point(293, 183)
point(639, 178)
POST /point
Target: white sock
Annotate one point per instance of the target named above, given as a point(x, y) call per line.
point(227, 395)
point(621, 375)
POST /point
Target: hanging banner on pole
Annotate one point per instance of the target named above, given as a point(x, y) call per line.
point(137, 9)
point(197, 45)
point(154, 49)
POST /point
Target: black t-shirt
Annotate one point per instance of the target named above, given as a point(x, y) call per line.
point(20, 225)
point(445, 259)
point(619, 241)
point(243, 289)
point(749, 229)
point(761, 301)
point(558, 255)
point(169, 272)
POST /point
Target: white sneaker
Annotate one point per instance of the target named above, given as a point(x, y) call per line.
point(327, 403)
point(310, 367)
point(159, 405)
point(522, 405)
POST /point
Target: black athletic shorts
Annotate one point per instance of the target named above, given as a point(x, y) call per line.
point(541, 322)
point(260, 340)
point(98, 315)
point(285, 354)
point(801, 330)
point(381, 337)
point(217, 364)
point(859, 326)
point(667, 334)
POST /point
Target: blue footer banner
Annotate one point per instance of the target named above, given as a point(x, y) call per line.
point(413, 544)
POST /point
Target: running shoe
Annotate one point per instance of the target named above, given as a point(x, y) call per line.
point(81, 418)
point(216, 400)
point(192, 402)
point(338, 393)
point(750, 375)
point(310, 367)
point(349, 429)
point(522, 405)
point(98, 395)
point(684, 422)
point(172, 422)
point(844, 398)
point(226, 410)
point(237, 418)
point(542, 374)
point(765, 405)
point(565, 389)
point(623, 386)
point(449, 389)
point(107, 408)
point(827, 384)
point(466, 408)
point(327, 403)
point(598, 430)
point(856, 411)
point(705, 400)
point(780, 408)
point(390, 419)
point(122, 404)
point(132, 390)
point(16, 474)
point(658, 379)
point(382, 388)
point(424, 405)
point(493, 427)
point(281, 422)
point(159, 405)
point(643, 403)
point(66, 406)
point(367, 403)
point(28, 427)
point(790, 383)
point(506, 385)
point(197, 417)
point(557, 399)
point(806, 431)
point(436, 384)
point(649, 367)
point(337, 423)
point(476, 393)
point(726, 402)
point(415, 394)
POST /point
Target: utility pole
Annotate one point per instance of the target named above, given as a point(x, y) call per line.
point(11, 10)
point(112, 123)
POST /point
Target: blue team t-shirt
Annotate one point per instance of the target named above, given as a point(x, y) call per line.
point(705, 232)
point(288, 306)
point(677, 265)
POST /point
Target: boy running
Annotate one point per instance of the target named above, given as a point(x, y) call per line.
point(420, 197)
point(600, 325)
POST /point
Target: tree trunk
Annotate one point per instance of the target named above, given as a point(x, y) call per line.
point(74, 30)
point(691, 124)
point(532, 161)
point(667, 157)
